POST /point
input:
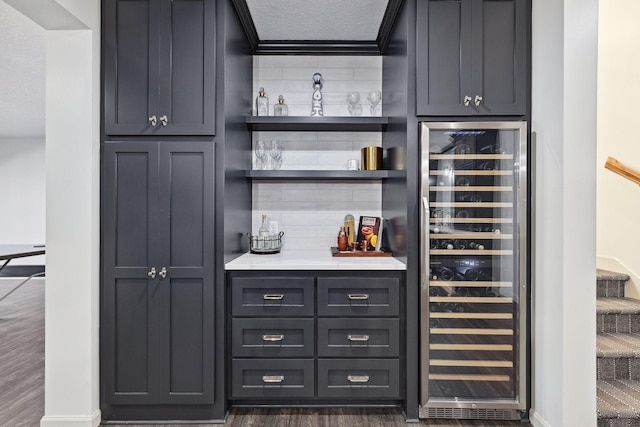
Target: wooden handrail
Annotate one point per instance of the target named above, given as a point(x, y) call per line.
point(622, 170)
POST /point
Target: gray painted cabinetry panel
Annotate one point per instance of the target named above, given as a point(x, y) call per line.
point(159, 62)
point(472, 57)
point(158, 327)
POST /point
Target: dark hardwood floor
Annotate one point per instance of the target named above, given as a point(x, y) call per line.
point(22, 379)
point(22, 353)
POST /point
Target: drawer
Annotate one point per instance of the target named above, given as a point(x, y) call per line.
point(272, 378)
point(358, 337)
point(272, 337)
point(358, 296)
point(273, 296)
point(359, 378)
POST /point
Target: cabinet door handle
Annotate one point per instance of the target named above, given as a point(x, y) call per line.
point(358, 378)
point(164, 120)
point(358, 337)
point(163, 272)
point(478, 100)
point(153, 120)
point(467, 100)
point(353, 297)
point(152, 273)
point(272, 337)
point(272, 297)
point(272, 378)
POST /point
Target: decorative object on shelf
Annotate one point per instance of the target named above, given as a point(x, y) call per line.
point(316, 100)
point(370, 232)
point(262, 104)
point(265, 245)
point(280, 109)
point(356, 253)
point(275, 151)
point(342, 239)
point(397, 158)
point(374, 98)
point(371, 158)
point(355, 108)
point(352, 164)
point(261, 151)
point(350, 226)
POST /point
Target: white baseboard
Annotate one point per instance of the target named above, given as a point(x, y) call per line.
point(537, 420)
point(71, 420)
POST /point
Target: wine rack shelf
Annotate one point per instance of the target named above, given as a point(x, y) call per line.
point(471, 172)
point(478, 252)
point(436, 283)
point(472, 205)
point(485, 363)
point(471, 347)
point(470, 331)
point(478, 236)
point(459, 188)
point(471, 315)
point(472, 220)
point(469, 377)
point(481, 300)
point(471, 156)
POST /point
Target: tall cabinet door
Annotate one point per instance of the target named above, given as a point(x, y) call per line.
point(187, 64)
point(131, 60)
point(499, 48)
point(186, 201)
point(130, 245)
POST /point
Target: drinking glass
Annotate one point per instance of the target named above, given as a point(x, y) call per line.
point(275, 151)
point(355, 109)
point(374, 98)
point(261, 151)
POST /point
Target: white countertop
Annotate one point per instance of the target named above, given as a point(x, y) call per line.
point(311, 260)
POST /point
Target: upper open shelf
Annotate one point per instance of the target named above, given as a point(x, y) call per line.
point(324, 124)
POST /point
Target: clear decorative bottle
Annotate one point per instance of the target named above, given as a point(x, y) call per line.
point(262, 104)
point(263, 234)
point(280, 109)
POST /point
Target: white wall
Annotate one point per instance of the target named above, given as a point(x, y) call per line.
point(22, 212)
point(564, 122)
point(618, 230)
point(311, 212)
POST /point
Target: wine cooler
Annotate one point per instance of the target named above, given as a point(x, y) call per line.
point(474, 270)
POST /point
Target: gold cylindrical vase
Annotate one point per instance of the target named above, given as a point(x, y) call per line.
point(371, 158)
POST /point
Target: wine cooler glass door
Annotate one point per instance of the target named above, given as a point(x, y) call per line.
point(474, 265)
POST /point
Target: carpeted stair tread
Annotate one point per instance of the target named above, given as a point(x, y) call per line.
point(617, 306)
point(617, 345)
point(618, 399)
point(610, 275)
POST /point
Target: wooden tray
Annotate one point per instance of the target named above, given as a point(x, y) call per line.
point(337, 253)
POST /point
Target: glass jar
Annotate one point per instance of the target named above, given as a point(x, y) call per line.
point(280, 109)
point(262, 104)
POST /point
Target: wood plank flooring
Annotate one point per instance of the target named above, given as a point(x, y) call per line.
point(22, 353)
point(22, 379)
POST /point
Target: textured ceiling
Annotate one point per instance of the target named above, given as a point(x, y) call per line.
point(350, 20)
point(22, 75)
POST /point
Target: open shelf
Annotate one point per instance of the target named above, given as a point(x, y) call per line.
point(325, 124)
point(323, 174)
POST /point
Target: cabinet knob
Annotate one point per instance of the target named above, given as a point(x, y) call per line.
point(153, 120)
point(478, 100)
point(152, 273)
point(165, 120)
point(467, 100)
point(163, 272)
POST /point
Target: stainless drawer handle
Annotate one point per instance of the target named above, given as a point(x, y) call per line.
point(272, 337)
point(358, 337)
point(272, 297)
point(272, 378)
point(358, 296)
point(358, 378)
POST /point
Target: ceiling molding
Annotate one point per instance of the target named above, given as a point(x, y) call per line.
point(319, 47)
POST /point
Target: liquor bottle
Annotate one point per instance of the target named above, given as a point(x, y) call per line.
point(478, 246)
point(263, 233)
point(349, 224)
point(280, 109)
point(342, 239)
point(262, 104)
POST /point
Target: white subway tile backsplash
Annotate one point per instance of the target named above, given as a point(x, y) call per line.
point(311, 212)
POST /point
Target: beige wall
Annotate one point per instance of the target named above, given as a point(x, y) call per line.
point(618, 228)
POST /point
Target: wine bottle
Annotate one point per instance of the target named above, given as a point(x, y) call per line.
point(447, 244)
point(433, 243)
point(435, 291)
point(471, 274)
point(462, 292)
point(434, 323)
point(444, 273)
point(460, 244)
point(478, 246)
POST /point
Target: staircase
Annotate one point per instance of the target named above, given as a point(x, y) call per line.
point(618, 352)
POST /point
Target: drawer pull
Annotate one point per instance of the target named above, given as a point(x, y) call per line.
point(272, 378)
point(272, 337)
point(358, 337)
point(358, 378)
point(272, 297)
point(353, 297)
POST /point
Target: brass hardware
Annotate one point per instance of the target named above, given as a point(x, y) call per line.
point(358, 378)
point(358, 337)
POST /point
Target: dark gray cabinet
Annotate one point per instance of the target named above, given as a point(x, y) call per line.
point(159, 67)
point(472, 57)
point(158, 273)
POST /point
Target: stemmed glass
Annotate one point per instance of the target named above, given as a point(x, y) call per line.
point(374, 98)
point(261, 151)
point(275, 151)
point(355, 109)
